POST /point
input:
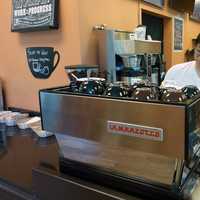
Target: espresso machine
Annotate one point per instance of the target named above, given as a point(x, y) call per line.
point(139, 139)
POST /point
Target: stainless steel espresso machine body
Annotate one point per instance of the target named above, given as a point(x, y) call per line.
point(153, 127)
point(141, 147)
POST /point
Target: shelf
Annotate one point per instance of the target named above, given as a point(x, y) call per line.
point(132, 47)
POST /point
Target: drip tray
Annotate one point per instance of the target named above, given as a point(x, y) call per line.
point(116, 167)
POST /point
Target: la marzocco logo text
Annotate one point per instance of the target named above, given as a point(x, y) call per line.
point(143, 132)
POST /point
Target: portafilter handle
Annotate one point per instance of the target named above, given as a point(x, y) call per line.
point(72, 77)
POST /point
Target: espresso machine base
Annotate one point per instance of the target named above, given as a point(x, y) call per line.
point(146, 148)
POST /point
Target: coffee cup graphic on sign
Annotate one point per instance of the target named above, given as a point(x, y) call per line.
point(42, 61)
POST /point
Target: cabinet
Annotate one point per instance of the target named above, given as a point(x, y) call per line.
point(51, 187)
point(10, 192)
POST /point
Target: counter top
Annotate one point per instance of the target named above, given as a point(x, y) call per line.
point(29, 166)
point(23, 150)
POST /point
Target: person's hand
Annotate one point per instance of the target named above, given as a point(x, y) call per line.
point(197, 53)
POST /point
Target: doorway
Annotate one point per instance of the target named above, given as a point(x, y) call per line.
point(155, 27)
point(160, 28)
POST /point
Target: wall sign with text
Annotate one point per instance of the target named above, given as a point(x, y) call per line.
point(32, 15)
point(159, 3)
point(42, 61)
point(178, 33)
point(196, 13)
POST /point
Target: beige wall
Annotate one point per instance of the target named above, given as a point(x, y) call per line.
point(119, 14)
point(20, 86)
point(193, 28)
point(126, 15)
point(76, 42)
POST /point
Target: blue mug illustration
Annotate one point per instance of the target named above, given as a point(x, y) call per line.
point(41, 61)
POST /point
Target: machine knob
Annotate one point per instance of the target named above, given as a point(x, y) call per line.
point(173, 95)
point(92, 87)
point(190, 91)
point(116, 91)
point(145, 93)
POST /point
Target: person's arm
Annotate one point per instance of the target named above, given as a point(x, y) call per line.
point(170, 78)
point(197, 53)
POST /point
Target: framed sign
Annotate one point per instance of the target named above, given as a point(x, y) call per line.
point(196, 14)
point(195, 18)
point(32, 15)
point(178, 33)
point(182, 5)
point(159, 3)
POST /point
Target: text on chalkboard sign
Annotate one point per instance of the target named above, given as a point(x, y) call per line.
point(42, 61)
point(30, 15)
